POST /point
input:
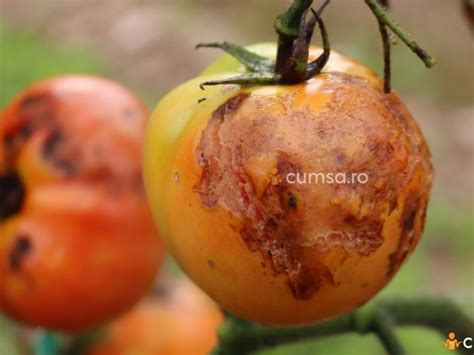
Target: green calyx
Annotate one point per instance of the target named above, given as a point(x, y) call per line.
point(294, 38)
point(295, 29)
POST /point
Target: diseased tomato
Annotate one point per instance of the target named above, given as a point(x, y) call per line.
point(216, 173)
point(77, 241)
point(181, 322)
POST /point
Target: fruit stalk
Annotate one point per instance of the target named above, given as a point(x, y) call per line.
point(386, 51)
point(287, 26)
point(383, 17)
point(239, 336)
point(294, 37)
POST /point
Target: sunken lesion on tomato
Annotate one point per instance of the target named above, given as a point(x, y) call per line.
point(21, 247)
point(13, 192)
point(270, 208)
point(411, 225)
point(251, 143)
point(54, 150)
point(33, 112)
point(36, 112)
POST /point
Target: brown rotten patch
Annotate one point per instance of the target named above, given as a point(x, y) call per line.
point(12, 191)
point(34, 111)
point(20, 248)
point(411, 224)
point(272, 215)
point(306, 231)
point(270, 226)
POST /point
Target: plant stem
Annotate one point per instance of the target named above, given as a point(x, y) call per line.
point(238, 336)
point(442, 315)
point(386, 52)
point(287, 26)
point(288, 23)
point(294, 37)
point(317, 65)
point(383, 17)
point(383, 327)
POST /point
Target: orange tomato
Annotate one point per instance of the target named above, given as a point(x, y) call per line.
point(183, 322)
point(77, 241)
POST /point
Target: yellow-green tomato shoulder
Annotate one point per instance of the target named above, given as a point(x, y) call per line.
point(171, 121)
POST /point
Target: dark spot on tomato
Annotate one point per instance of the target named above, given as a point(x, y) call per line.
point(21, 247)
point(31, 101)
point(292, 203)
point(304, 286)
point(350, 219)
point(202, 160)
point(272, 224)
point(12, 192)
point(35, 111)
point(201, 100)
point(211, 264)
point(408, 220)
point(53, 152)
point(51, 144)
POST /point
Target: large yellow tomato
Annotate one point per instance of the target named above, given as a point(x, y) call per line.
point(240, 184)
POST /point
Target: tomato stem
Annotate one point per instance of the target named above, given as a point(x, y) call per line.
point(383, 327)
point(288, 27)
point(386, 51)
point(237, 336)
point(383, 17)
point(316, 66)
point(294, 38)
point(292, 65)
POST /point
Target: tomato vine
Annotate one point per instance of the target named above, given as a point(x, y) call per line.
point(294, 36)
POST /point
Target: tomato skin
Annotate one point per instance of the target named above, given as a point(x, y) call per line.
point(183, 321)
point(279, 254)
point(81, 246)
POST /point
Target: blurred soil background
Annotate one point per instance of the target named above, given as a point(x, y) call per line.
point(149, 46)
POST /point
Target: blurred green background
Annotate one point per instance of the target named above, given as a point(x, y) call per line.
point(149, 46)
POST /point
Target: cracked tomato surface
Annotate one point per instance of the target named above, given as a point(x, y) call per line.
point(77, 241)
point(228, 173)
